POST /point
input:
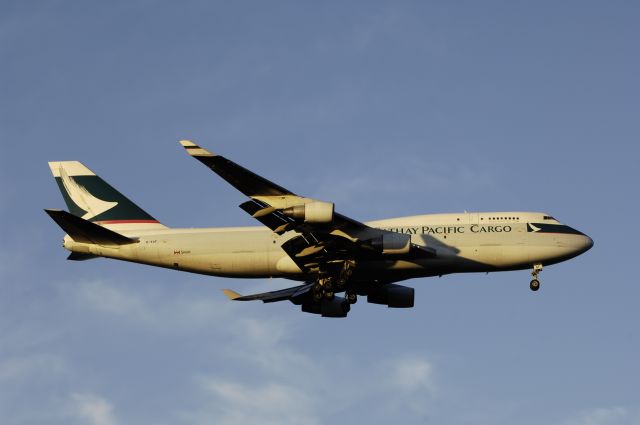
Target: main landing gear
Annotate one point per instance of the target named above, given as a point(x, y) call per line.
point(535, 283)
point(323, 288)
point(352, 297)
point(327, 285)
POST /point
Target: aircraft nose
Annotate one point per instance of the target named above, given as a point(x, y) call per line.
point(588, 243)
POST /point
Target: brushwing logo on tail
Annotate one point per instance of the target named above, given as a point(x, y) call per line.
point(83, 198)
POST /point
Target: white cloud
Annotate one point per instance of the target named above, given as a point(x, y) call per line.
point(271, 403)
point(107, 298)
point(602, 416)
point(91, 409)
point(260, 375)
point(29, 365)
point(281, 384)
point(253, 338)
point(406, 175)
point(147, 306)
point(410, 379)
point(412, 374)
point(277, 385)
point(263, 343)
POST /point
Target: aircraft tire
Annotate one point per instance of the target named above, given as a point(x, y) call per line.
point(534, 285)
point(346, 307)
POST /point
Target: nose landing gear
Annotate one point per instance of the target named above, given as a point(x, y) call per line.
point(535, 283)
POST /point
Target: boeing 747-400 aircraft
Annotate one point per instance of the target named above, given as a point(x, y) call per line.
point(306, 240)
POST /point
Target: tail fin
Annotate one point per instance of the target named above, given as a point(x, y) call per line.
point(91, 198)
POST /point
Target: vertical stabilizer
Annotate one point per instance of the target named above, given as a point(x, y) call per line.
point(89, 197)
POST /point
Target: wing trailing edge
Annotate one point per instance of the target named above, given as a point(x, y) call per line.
point(292, 294)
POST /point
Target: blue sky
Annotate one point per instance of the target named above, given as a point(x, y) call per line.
point(386, 108)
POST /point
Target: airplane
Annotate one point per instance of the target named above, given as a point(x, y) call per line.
point(307, 240)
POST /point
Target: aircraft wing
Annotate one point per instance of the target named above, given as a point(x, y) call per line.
point(325, 236)
point(239, 177)
point(270, 297)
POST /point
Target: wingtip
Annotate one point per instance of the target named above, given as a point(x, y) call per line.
point(53, 212)
point(231, 294)
point(193, 149)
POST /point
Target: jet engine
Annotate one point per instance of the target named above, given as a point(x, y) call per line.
point(312, 212)
point(392, 243)
point(391, 295)
point(337, 307)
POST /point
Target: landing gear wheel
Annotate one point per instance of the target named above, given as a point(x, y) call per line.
point(352, 297)
point(534, 285)
point(345, 307)
point(329, 295)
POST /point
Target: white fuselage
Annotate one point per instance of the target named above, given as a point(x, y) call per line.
point(465, 242)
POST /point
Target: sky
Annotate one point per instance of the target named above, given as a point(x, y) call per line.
point(385, 108)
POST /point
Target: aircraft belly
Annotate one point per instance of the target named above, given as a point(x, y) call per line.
point(550, 248)
point(497, 256)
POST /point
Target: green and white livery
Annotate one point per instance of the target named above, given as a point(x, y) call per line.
point(89, 197)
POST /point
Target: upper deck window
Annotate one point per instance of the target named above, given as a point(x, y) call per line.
point(548, 217)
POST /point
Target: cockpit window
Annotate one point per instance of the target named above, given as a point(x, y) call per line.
point(548, 217)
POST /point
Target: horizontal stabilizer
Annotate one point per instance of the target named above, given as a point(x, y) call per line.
point(78, 256)
point(84, 231)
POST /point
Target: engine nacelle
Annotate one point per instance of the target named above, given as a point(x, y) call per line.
point(391, 295)
point(337, 307)
point(312, 212)
point(393, 243)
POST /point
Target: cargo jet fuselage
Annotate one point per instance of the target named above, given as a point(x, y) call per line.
point(465, 242)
